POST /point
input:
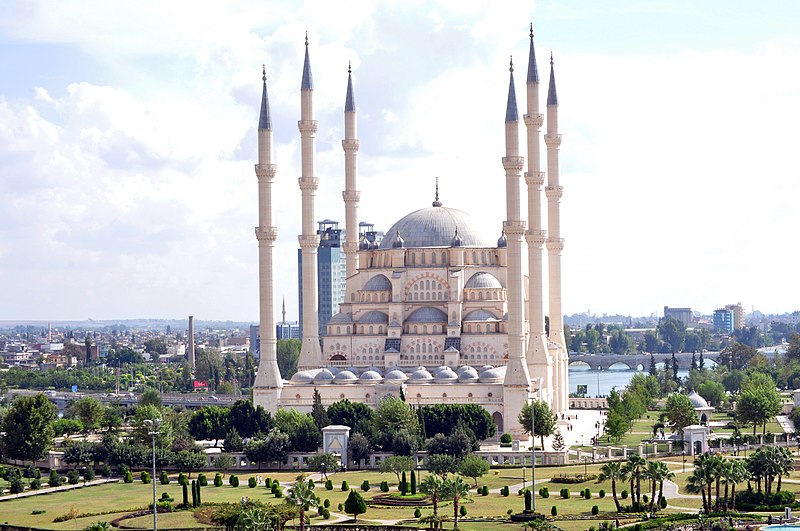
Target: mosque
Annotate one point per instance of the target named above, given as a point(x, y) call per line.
point(434, 312)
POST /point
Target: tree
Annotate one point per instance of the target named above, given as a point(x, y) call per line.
point(657, 472)
point(79, 453)
point(737, 356)
point(674, 333)
point(473, 467)
point(679, 412)
point(324, 463)
point(558, 441)
point(233, 441)
point(356, 415)
point(433, 486)
point(318, 411)
point(632, 470)
point(302, 497)
point(304, 436)
point(209, 422)
point(757, 406)
point(612, 471)
point(793, 352)
point(653, 370)
point(455, 489)
point(446, 418)
point(224, 462)
point(697, 482)
point(354, 504)
point(544, 420)
point(396, 464)
point(150, 397)
point(249, 420)
point(616, 424)
point(392, 415)
point(288, 352)
point(88, 410)
point(187, 460)
point(441, 464)
point(359, 447)
point(712, 391)
point(27, 426)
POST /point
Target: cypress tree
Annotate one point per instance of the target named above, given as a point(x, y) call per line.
point(194, 493)
point(185, 495)
point(199, 499)
point(403, 484)
point(413, 483)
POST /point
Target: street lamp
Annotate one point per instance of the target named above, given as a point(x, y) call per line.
point(523, 479)
point(152, 430)
point(585, 472)
point(684, 459)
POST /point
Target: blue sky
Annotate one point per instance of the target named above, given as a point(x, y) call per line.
point(127, 139)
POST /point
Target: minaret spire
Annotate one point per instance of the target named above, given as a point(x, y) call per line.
point(516, 385)
point(538, 357)
point(310, 352)
point(268, 383)
point(555, 244)
point(350, 195)
point(436, 201)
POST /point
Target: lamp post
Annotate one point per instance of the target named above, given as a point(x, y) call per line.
point(152, 430)
point(585, 472)
point(523, 479)
point(684, 459)
point(533, 455)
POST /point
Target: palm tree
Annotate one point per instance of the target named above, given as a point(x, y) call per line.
point(664, 474)
point(301, 495)
point(612, 471)
point(456, 489)
point(738, 473)
point(695, 483)
point(784, 462)
point(433, 486)
point(633, 471)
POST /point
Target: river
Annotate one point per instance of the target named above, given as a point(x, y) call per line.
point(601, 382)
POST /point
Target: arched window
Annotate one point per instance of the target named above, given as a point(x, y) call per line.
point(380, 329)
point(348, 330)
point(415, 329)
point(338, 329)
point(433, 258)
point(424, 329)
point(370, 329)
point(422, 258)
point(413, 259)
point(444, 258)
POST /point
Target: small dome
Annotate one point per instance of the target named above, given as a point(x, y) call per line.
point(373, 317)
point(502, 241)
point(464, 368)
point(324, 376)
point(421, 375)
point(378, 283)
point(398, 240)
point(427, 314)
point(341, 318)
point(446, 375)
point(363, 243)
point(457, 240)
point(345, 377)
point(396, 375)
point(480, 315)
point(370, 376)
point(493, 375)
point(483, 280)
point(304, 376)
point(697, 400)
point(375, 369)
point(469, 375)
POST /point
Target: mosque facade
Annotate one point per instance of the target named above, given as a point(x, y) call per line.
point(435, 312)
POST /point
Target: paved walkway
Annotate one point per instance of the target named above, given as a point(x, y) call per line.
point(49, 490)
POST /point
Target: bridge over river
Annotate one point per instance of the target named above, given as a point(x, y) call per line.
point(637, 361)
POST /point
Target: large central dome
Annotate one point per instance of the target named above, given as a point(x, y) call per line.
point(435, 227)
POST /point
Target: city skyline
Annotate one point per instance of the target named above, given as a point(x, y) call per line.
point(127, 161)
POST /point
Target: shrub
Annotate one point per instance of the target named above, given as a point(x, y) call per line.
point(217, 479)
point(462, 510)
point(16, 486)
point(365, 485)
point(278, 492)
point(326, 503)
point(182, 479)
point(384, 486)
point(662, 502)
point(329, 485)
point(35, 484)
point(587, 494)
point(163, 478)
point(578, 478)
point(553, 511)
point(624, 494)
point(645, 498)
point(185, 493)
point(528, 500)
point(325, 514)
point(202, 480)
point(38, 511)
point(128, 477)
point(602, 493)
point(504, 491)
point(506, 438)
point(417, 513)
point(485, 490)
point(345, 486)
point(88, 473)
point(595, 510)
point(340, 507)
point(565, 493)
point(166, 497)
point(55, 479)
point(233, 480)
point(106, 471)
point(251, 482)
point(268, 483)
point(145, 477)
point(275, 486)
point(73, 477)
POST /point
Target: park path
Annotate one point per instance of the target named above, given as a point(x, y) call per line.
point(50, 490)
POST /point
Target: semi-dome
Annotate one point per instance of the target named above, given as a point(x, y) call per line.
point(483, 280)
point(373, 317)
point(421, 375)
point(427, 314)
point(697, 400)
point(480, 315)
point(345, 377)
point(341, 318)
point(435, 227)
point(396, 375)
point(378, 283)
point(370, 376)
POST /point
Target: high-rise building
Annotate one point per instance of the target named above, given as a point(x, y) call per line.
point(331, 273)
point(723, 321)
point(738, 315)
point(683, 315)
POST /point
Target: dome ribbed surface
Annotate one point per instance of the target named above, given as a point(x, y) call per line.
point(483, 280)
point(435, 227)
point(378, 283)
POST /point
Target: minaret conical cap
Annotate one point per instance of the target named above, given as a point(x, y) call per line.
point(349, 100)
point(533, 69)
point(264, 119)
point(308, 82)
point(552, 96)
point(511, 107)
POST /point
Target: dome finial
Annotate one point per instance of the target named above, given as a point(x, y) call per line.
point(349, 67)
point(306, 37)
point(531, 30)
point(264, 72)
point(511, 63)
point(436, 201)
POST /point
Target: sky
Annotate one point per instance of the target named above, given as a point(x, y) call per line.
point(128, 138)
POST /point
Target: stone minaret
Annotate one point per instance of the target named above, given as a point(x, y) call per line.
point(555, 244)
point(540, 364)
point(350, 194)
point(517, 381)
point(310, 352)
point(190, 346)
point(268, 384)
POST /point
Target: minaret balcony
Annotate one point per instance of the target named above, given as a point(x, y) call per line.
point(269, 234)
point(308, 241)
point(308, 183)
point(534, 178)
point(554, 192)
point(552, 140)
point(307, 126)
point(535, 120)
point(513, 163)
point(351, 196)
point(555, 244)
point(537, 237)
point(514, 227)
point(266, 171)
point(350, 144)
